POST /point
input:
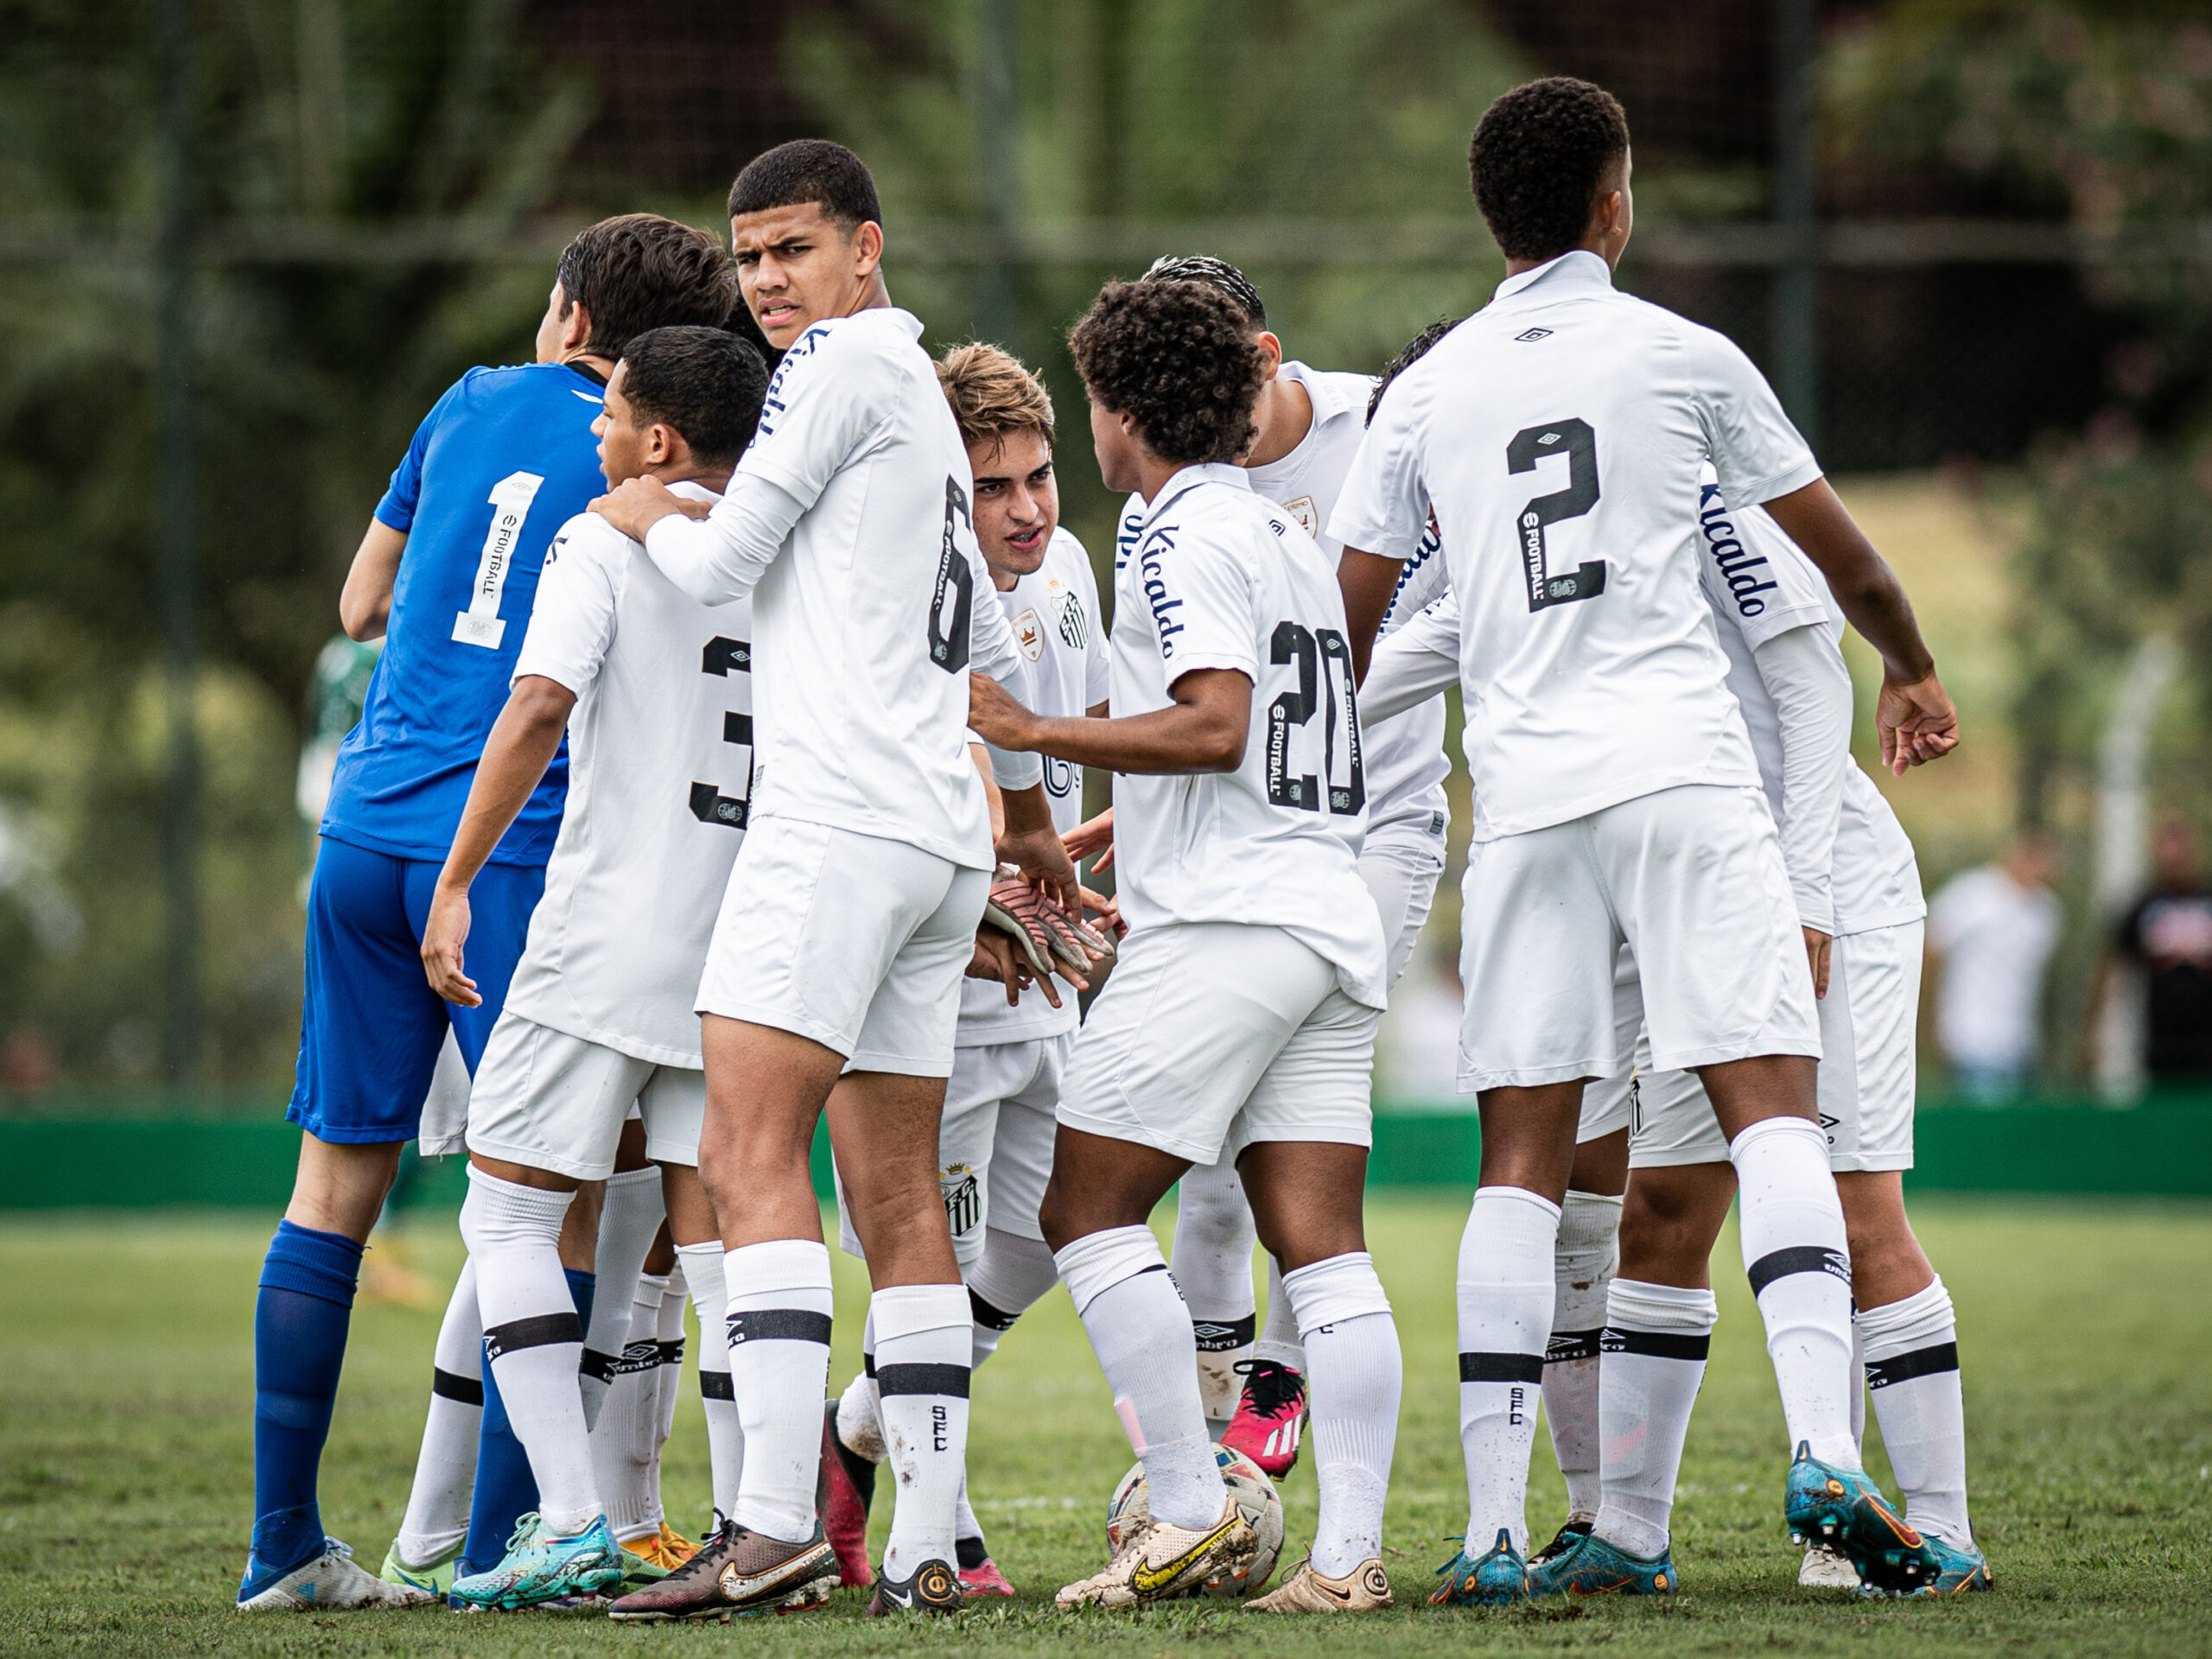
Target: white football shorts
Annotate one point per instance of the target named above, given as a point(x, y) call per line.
point(557, 1101)
point(1692, 878)
point(444, 1129)
point(1867, 1080)
point(1402, 872)
point(852, 941)
point(995, 1151)
point(1608, 1102)
point(1209, 1036)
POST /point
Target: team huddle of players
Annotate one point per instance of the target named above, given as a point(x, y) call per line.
point(767, 805)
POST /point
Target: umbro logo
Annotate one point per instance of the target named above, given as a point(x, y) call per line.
point(1549, 437)
point(1533, 334)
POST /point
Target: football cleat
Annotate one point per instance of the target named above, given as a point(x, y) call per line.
point(1844, 1510)
point(671, 1549)
point(1594, 1567)
point(434, 1579)
point(1493, 1578)
point(933, 1587)
point(738, 1574)
point(1962, 1571)
point(984, 1579)
point(1826, 1569)
point(542, 1567)
point(1270, 1417)
point(1365, 1589)
point(1159, 1562)
point(843, 1492)
point(1571, 1535)
point(332, 1580)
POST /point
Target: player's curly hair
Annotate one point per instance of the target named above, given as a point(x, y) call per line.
point(1538, 156)
point(993, 396)
point(1409, 354)
point(1179, 359)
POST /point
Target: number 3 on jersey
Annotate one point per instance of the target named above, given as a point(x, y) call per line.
point(709, 805)
point(1531, 444)
point(1323, 663)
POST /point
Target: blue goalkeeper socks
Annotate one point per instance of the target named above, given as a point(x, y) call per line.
point(300, 1321)
point(505, 1489)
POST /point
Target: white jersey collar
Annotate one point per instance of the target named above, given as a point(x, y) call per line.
point(1577, 270)
point(1197, 472)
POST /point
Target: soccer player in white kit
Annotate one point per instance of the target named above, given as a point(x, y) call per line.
point(651, 689)
point(1239, 1023)
point(1558, 435)
point(851, 912)
point(995, 1151)
point(1309, 422)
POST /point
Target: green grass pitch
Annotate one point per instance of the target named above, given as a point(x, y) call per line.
point(125, 1468)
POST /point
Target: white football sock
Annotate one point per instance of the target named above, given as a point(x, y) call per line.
point(1213, 1269)
point(1582, 1272)
point(1278, 1335)
point(965, 1526)
point(534, 1338)
point(1506, 1317)
point(1912, 1360)
point(1140, 1331)
point(668, 1336)
point(779, 1326)
point(860, 1413)
point(1005, 1284)
point(622, 1439)
point(1799, 1262)
point(627, 1221)
point(703, 1273)
point(445, 1470)
point(1357, 1375)
point(924, 1338)
point(1655, 1342)
point(1857, 1389)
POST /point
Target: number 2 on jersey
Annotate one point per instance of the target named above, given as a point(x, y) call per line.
point(1574, 439)
point(1324, 662)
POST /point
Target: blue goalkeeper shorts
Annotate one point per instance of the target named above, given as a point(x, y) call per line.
point(371, 1027)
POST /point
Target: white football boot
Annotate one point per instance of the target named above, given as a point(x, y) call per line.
point(331, 1580)
point(1162, 1562)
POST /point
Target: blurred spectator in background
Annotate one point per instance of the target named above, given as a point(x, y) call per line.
point(2166, 937)
point(1990, 932)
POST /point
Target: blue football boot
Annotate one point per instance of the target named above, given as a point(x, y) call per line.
point(1844, 1510)
point(1494, 1579)
point(1594, 1567)
point(543, 1570)
point(1962, 1570)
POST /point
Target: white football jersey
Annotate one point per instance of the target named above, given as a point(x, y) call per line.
point(660, 761)
point(872, 613)
point(1222, 578)
point(1053, 612)
point(1558, 435)
point(1760, 585)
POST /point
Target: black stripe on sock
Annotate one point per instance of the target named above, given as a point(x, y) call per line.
point(1217, 1337)
point(451, 1385)
point(714, 1385)
point(1501, 1368)
point(867, 1363)
point(1571, 1344)
point(779, 1324)
point(1658, 1345)
point(1921, 1362)
point(638, 1356)
point(605, 1367)
point(669, 1353)
point(539, 1331)
point(1798, 1258)
point(991, 1318)
point(924, 1379)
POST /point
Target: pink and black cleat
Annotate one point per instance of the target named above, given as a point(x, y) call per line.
point(1270, 1416)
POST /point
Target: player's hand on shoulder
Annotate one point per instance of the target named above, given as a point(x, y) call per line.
point(636, 504)
point(997, 717)
point(1917, 723)
point(444, 932)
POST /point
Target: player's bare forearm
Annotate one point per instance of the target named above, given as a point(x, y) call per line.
point(365, 602)
point(1913, 715)
point(1367, 582)
point(523, 743)
point(1203, 730)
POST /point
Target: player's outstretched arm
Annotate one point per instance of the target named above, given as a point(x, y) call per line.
point(524, 741)
point(365, 602)
point(1914, 714)
point(1203, 730)
point(715, 559)
point(1367, 580)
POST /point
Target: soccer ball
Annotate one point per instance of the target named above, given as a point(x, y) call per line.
point(1256, 1496)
